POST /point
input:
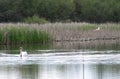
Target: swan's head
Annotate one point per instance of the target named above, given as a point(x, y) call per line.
point(21, 48)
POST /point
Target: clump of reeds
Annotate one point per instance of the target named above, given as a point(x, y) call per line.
point(11, 35)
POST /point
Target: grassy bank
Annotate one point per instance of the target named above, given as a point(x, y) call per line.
point(12, 35)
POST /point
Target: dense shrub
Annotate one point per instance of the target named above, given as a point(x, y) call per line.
point(61, 10)
point(35, 19)
point(100, 10)
point(10, 10)
point(56, 10)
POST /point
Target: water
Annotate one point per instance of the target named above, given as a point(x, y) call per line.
point(60, 64)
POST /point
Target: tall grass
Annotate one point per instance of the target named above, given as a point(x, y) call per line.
point(38, 33)
point(11, 35)
point(87, 27)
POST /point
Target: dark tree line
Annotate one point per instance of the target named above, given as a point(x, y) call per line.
point(61, 10)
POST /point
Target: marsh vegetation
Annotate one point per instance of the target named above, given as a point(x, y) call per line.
point(66, 33)
point(12, 35)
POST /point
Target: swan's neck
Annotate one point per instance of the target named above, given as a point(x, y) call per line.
point(20, 50)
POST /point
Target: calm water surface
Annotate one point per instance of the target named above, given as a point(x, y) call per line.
point(60, 64)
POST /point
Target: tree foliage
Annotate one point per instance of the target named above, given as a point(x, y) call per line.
point(61, 10)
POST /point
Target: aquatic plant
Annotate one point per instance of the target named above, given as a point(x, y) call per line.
point(34, 33)
point(11, 35)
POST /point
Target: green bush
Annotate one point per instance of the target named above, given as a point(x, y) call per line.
point(56, 10)
point(10, 10)
point(100, 10)
point(35, 19)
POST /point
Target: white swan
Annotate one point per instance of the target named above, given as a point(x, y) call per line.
point(22, 53)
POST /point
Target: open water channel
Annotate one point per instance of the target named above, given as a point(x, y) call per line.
point(60, 64)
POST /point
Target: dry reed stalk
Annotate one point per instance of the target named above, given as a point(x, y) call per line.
point(80, 32)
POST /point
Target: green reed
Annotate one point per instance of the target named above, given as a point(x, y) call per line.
point(12, 35)
point(87, 27)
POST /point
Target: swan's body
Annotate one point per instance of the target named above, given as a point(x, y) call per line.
point(22, 53)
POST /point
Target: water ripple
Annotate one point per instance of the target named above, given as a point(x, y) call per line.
point(86, 57)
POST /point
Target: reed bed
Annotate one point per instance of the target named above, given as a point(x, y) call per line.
point(80, 33)
point(16, 35)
